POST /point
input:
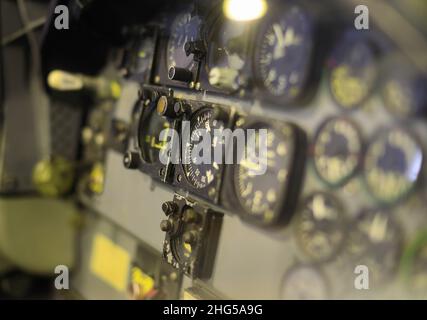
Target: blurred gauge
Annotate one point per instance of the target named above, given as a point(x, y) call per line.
point(201, 173)
point(404, 90)
point(265, 170)
point(304, 282)
point(393, 164)
point(353, 70)
point(337, 151)
point(150, 127)
point(414, 265)
point(320, 228)
point(185, 28)
point(283, 54)
point(227, 54)
point(375, 241)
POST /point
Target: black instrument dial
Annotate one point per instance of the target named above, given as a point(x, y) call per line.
point(261, 177)
point(201, 173)
point(283, 54)
point(337, 151)
point(185, 28)
point(321, 227)
point(150, 127)
point(353, 70)
point(404, 90)
point(393, 164)
point(304, 282)
point(375, 241)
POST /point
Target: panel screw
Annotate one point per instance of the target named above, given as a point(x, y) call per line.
point(166, 225)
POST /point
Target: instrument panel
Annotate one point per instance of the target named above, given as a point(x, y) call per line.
point(338, 178)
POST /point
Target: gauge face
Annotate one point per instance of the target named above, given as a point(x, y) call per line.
point(283, 56)
point(321, 228)
point(405, 92)
point(353, 71)
point(150, 127)
point(375, 241)
point(201, 169)
point(228, 47)
point(304, 283)
point(261, 177)
point(337, 151)
point(185, 28)
point(393, 164)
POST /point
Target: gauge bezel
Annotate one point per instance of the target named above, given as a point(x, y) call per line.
point(378, 45)
point(380, 134)
point(311, 74)
point(287, 202)
point(357, 169)
point(180, 180)
point(343, 217)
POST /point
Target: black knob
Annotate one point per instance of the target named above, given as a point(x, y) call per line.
point(189, 237)
point(195, 47)
point(169, 207)
point(131, 160)
point(166, 225)
point(190, 216)
point(180, 74)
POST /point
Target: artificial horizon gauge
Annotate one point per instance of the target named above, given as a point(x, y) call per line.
point(304, 282)
point(227, 55)
point(393, 165)
point(375, 240)
point(413, 266)
point(353, 70)
point(320, 228)
point(202, 169)
point(337, 151)
point(404, 90)
point(282, 58)
point(185, 28)
point(265, 171)
point(152, 135)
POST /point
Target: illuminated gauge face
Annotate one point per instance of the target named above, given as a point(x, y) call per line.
point(375, 241)
point(405, 92)
point(393, 164)
point(201, 169)
point(414, 264)
point(304, 283)
point(337, 151)
point(262, 173)
point(283, 55)
point(185, 28)
point(228, 46)
point(353, 71)
point(321, 228)
point(150, 128)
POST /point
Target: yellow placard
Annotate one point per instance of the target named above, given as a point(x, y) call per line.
point(110, 262)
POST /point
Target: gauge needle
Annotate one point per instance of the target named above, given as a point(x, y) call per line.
point(279, 49)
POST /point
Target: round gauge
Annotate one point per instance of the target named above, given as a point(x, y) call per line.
point(283, 54)
point(375, 241)
point(304, 282)
point(404, 91)
point(185, 28)
point(393, 164)
point(261, 176)
point(201, 169)
point(337, 151)
point(353, 70)
point(321, 228)
point(150, 126)
point(414, 264)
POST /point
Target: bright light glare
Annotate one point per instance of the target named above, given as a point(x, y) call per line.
point(245, 10)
